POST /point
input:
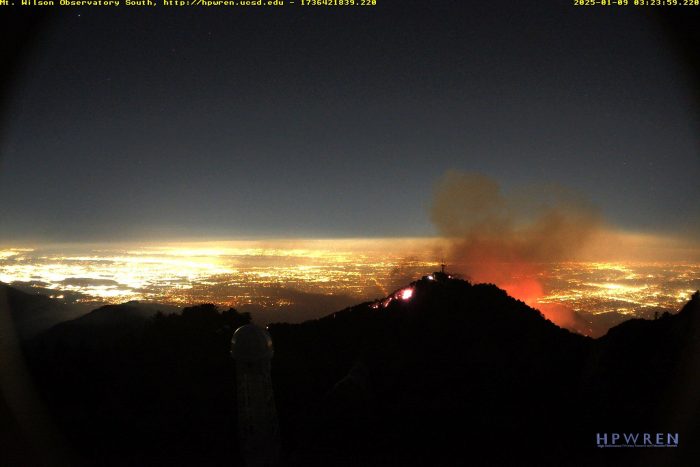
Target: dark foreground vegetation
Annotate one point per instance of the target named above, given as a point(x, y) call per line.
point(460, 374)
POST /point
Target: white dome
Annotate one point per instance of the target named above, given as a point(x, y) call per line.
point(251, 342)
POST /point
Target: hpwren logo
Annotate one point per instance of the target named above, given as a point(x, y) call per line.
point(636, 440)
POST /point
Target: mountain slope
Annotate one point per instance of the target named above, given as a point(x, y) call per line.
point(458, 372)
point(105, 325)
point(441, 372)
point(34, 313)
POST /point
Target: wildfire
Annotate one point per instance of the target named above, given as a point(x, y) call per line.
point(404, 294)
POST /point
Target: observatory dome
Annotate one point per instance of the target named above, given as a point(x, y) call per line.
point(251, 342)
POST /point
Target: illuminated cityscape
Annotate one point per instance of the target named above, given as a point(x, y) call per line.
point(272, 275)
point(629, 288)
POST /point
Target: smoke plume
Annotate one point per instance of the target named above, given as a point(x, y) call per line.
point(509, 239)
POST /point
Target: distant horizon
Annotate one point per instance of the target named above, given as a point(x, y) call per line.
point(610, 244)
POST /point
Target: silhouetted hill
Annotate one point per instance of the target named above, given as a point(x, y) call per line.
point(453, 355)
point(464, 374)
point(449, 373)
point(646, 373)
point(156, 391)
point(105, 325)
point(33, 313)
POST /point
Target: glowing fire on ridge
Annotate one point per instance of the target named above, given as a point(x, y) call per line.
point(404, 294)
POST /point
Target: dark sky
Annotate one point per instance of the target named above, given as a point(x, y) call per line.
point(160, 123)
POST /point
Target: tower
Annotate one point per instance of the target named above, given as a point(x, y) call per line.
point(258, 432)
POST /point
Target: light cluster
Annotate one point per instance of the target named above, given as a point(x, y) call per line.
point(249, 275)
point(625, 288)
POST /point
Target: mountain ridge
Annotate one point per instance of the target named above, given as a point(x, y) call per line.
point(440, 372)
point(456, 352)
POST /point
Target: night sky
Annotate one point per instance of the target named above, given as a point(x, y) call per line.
point(172, 123)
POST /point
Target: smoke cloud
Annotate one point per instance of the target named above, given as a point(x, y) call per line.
point(510, 238)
